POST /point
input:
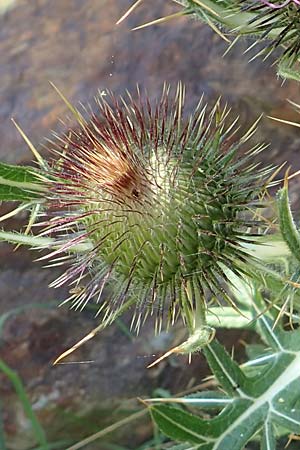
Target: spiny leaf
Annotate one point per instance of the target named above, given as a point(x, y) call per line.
point(179, 424)
point(285, 70)
point(287, 225)
point(18, 183)
point(38, 241)
point(268, 441)
point(225, 370)
point(184, 447)
point(275, 24)
point(259, 403)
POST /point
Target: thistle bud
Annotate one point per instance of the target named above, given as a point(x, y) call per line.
point(161, 203)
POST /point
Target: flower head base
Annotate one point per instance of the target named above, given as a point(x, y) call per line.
point(161, 202)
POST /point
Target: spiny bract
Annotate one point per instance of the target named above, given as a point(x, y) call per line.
point(273, 24)
point(163, 205)
point(279, 22)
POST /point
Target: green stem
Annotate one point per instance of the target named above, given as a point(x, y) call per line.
point(19, 388)
point(109, 429)
point(2, 437)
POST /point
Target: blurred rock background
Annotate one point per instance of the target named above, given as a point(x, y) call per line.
point(76, 45)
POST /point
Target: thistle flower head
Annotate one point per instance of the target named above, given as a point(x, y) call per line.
point(160, 202)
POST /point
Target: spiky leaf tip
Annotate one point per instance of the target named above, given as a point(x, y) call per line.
point(276, 23)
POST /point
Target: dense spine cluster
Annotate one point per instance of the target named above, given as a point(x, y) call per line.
point(163, 203)
point(279, 23)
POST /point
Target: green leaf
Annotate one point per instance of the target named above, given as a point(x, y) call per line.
point(19, 183)
point(205, 400)
point(186, 447)
point(287, 70)
point(268, 441)
point(2, 437)
point(226, 371)
point(287, 225)
point(178, 424)
point(227, 317)
point(259, 404)
point(40, 242)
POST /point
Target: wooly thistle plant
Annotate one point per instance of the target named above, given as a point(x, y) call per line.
point(161, 214)
point(152, 208)
point(271, 26)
